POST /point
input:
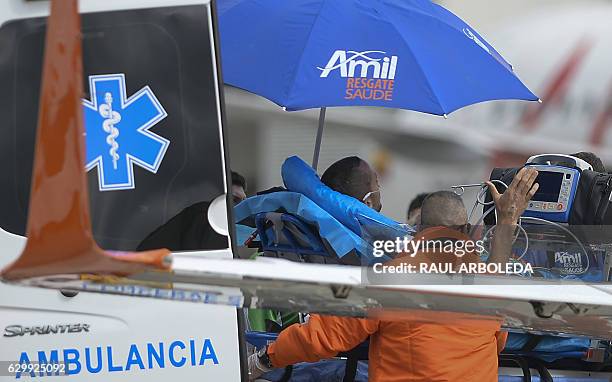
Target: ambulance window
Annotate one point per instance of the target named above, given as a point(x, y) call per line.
point(152, 120)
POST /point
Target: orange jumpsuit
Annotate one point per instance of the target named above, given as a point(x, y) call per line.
point(401, 350)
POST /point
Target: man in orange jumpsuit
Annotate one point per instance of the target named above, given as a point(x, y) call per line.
point(415, 350)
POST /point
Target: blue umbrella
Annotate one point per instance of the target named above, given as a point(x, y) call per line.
point(408, 54)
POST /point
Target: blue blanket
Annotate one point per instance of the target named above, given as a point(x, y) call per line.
point(322, 371)
point(340, 238)
point(368, 224)
point(550, 348)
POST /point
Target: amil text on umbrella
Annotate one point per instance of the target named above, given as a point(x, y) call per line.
point(375, 73)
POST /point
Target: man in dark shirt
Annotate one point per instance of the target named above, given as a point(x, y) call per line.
point(190, 229)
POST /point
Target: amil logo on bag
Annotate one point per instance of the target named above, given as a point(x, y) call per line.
point(569, 263)
point(370, 74)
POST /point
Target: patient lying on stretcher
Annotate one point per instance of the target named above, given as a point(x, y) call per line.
point(334, 218)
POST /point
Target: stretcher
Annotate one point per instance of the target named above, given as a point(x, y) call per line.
point(522, 350)
point(290, 225)
point(312, 223)
point(348, 366)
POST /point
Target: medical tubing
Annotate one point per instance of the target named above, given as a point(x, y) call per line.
point(472, 212)
point(513, 240)
point(545, 222)
point(483, 192)
point(586, 254)
point(484, 215)
point(478, 201)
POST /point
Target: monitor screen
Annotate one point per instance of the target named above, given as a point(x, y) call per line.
point(549, 186)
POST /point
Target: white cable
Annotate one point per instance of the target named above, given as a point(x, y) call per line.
point(483, 192)
point(480, 220)
point(586, 254)
point(520, 227)
point(460, 190)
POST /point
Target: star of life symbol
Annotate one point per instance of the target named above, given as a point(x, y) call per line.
point(117, 131)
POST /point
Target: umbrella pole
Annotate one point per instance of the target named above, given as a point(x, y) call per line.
point(317, 148)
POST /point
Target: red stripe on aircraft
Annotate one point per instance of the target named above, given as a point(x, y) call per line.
point(558, 87)
point(602, 122)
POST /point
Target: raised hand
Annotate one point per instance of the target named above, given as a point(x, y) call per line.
point(512, 203)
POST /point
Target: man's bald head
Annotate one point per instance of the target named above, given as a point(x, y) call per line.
point(443, 208)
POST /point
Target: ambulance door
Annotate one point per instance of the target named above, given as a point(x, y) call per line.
point(158, 177)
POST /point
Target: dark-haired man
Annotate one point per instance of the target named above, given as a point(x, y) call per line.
point(354, 177)
point(239, 187)
point(190, 229)
point(591, 159)
point(413, 215)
